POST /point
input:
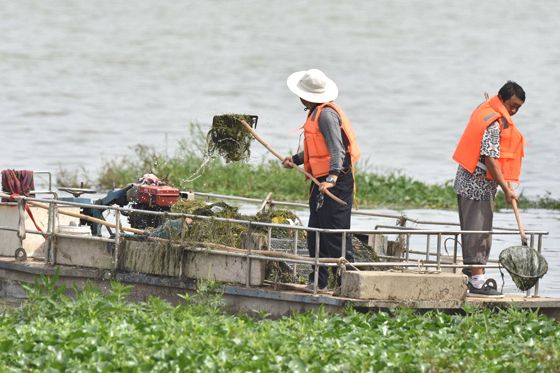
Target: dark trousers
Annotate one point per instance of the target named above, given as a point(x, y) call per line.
point(330, 215)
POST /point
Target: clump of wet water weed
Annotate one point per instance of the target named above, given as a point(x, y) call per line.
point(221, 232)
point(229, 233)
point(210, 230)
point(280, 272)
point(229, 138)
point(200, 207)
point(280, 216)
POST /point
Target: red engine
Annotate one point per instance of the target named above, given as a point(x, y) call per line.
point(157, 195)
point(151, 194)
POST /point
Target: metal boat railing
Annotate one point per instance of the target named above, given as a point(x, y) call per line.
point(401, 218)
point(426, 260)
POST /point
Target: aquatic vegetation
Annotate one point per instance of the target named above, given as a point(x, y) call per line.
point(211, 230)
point(229, 138)
point(280, 216)
point(190, 168)
point(77, 178)
point(103, 332)
point(208, 230)
point(124, 170)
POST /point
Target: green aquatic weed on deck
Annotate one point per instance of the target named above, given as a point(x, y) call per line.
point(218, 231)
point(229, 233)
point(211, 230)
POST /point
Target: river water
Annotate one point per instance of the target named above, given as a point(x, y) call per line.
point(82, 81)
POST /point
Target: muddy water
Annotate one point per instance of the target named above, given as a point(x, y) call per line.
point(84, 80)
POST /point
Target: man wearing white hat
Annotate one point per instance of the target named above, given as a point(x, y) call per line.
point(330, 151)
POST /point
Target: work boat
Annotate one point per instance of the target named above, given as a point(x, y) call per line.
point(147, 246)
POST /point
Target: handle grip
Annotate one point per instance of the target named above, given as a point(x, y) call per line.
point(519, 224)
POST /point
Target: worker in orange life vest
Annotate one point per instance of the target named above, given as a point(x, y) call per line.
point(329, 153)
point(489, 154)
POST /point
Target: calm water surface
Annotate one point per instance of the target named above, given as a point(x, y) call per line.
point(82, 81)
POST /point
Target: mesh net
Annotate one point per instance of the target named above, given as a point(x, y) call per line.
point(524, 264)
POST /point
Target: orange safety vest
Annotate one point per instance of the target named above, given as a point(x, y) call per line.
point(467, 153)
point(316, 157)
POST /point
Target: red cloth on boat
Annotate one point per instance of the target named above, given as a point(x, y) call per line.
point(17, 182)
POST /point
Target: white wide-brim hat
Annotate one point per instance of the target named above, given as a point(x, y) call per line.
point(313, 86)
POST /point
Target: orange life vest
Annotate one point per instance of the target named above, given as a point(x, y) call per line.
point(316, 154)
point(467, 153)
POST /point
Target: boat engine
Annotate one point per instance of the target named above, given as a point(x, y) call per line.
point(148, 193)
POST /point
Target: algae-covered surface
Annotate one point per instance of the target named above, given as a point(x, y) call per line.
point(151, 258)
point(211, 230)
point(162, 258)
point(229, 233)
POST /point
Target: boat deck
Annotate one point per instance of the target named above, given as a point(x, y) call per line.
point(166, 267)
point(274, 300)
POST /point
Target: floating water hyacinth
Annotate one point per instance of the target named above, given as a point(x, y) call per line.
point(229, 138)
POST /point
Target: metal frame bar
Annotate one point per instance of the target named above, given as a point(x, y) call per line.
point(272, 202)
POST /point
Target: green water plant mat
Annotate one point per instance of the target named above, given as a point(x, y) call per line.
point(228, 138)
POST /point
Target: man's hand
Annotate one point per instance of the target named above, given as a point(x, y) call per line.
point(328, 183)
point(510, 195)
point(324, 186)
point(288, 162)
point(494, 170)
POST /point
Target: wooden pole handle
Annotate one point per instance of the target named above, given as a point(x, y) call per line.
point(519, 224)
point(88, 218)
point(277, 155)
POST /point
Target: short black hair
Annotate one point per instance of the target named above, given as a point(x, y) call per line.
point(511, 89)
